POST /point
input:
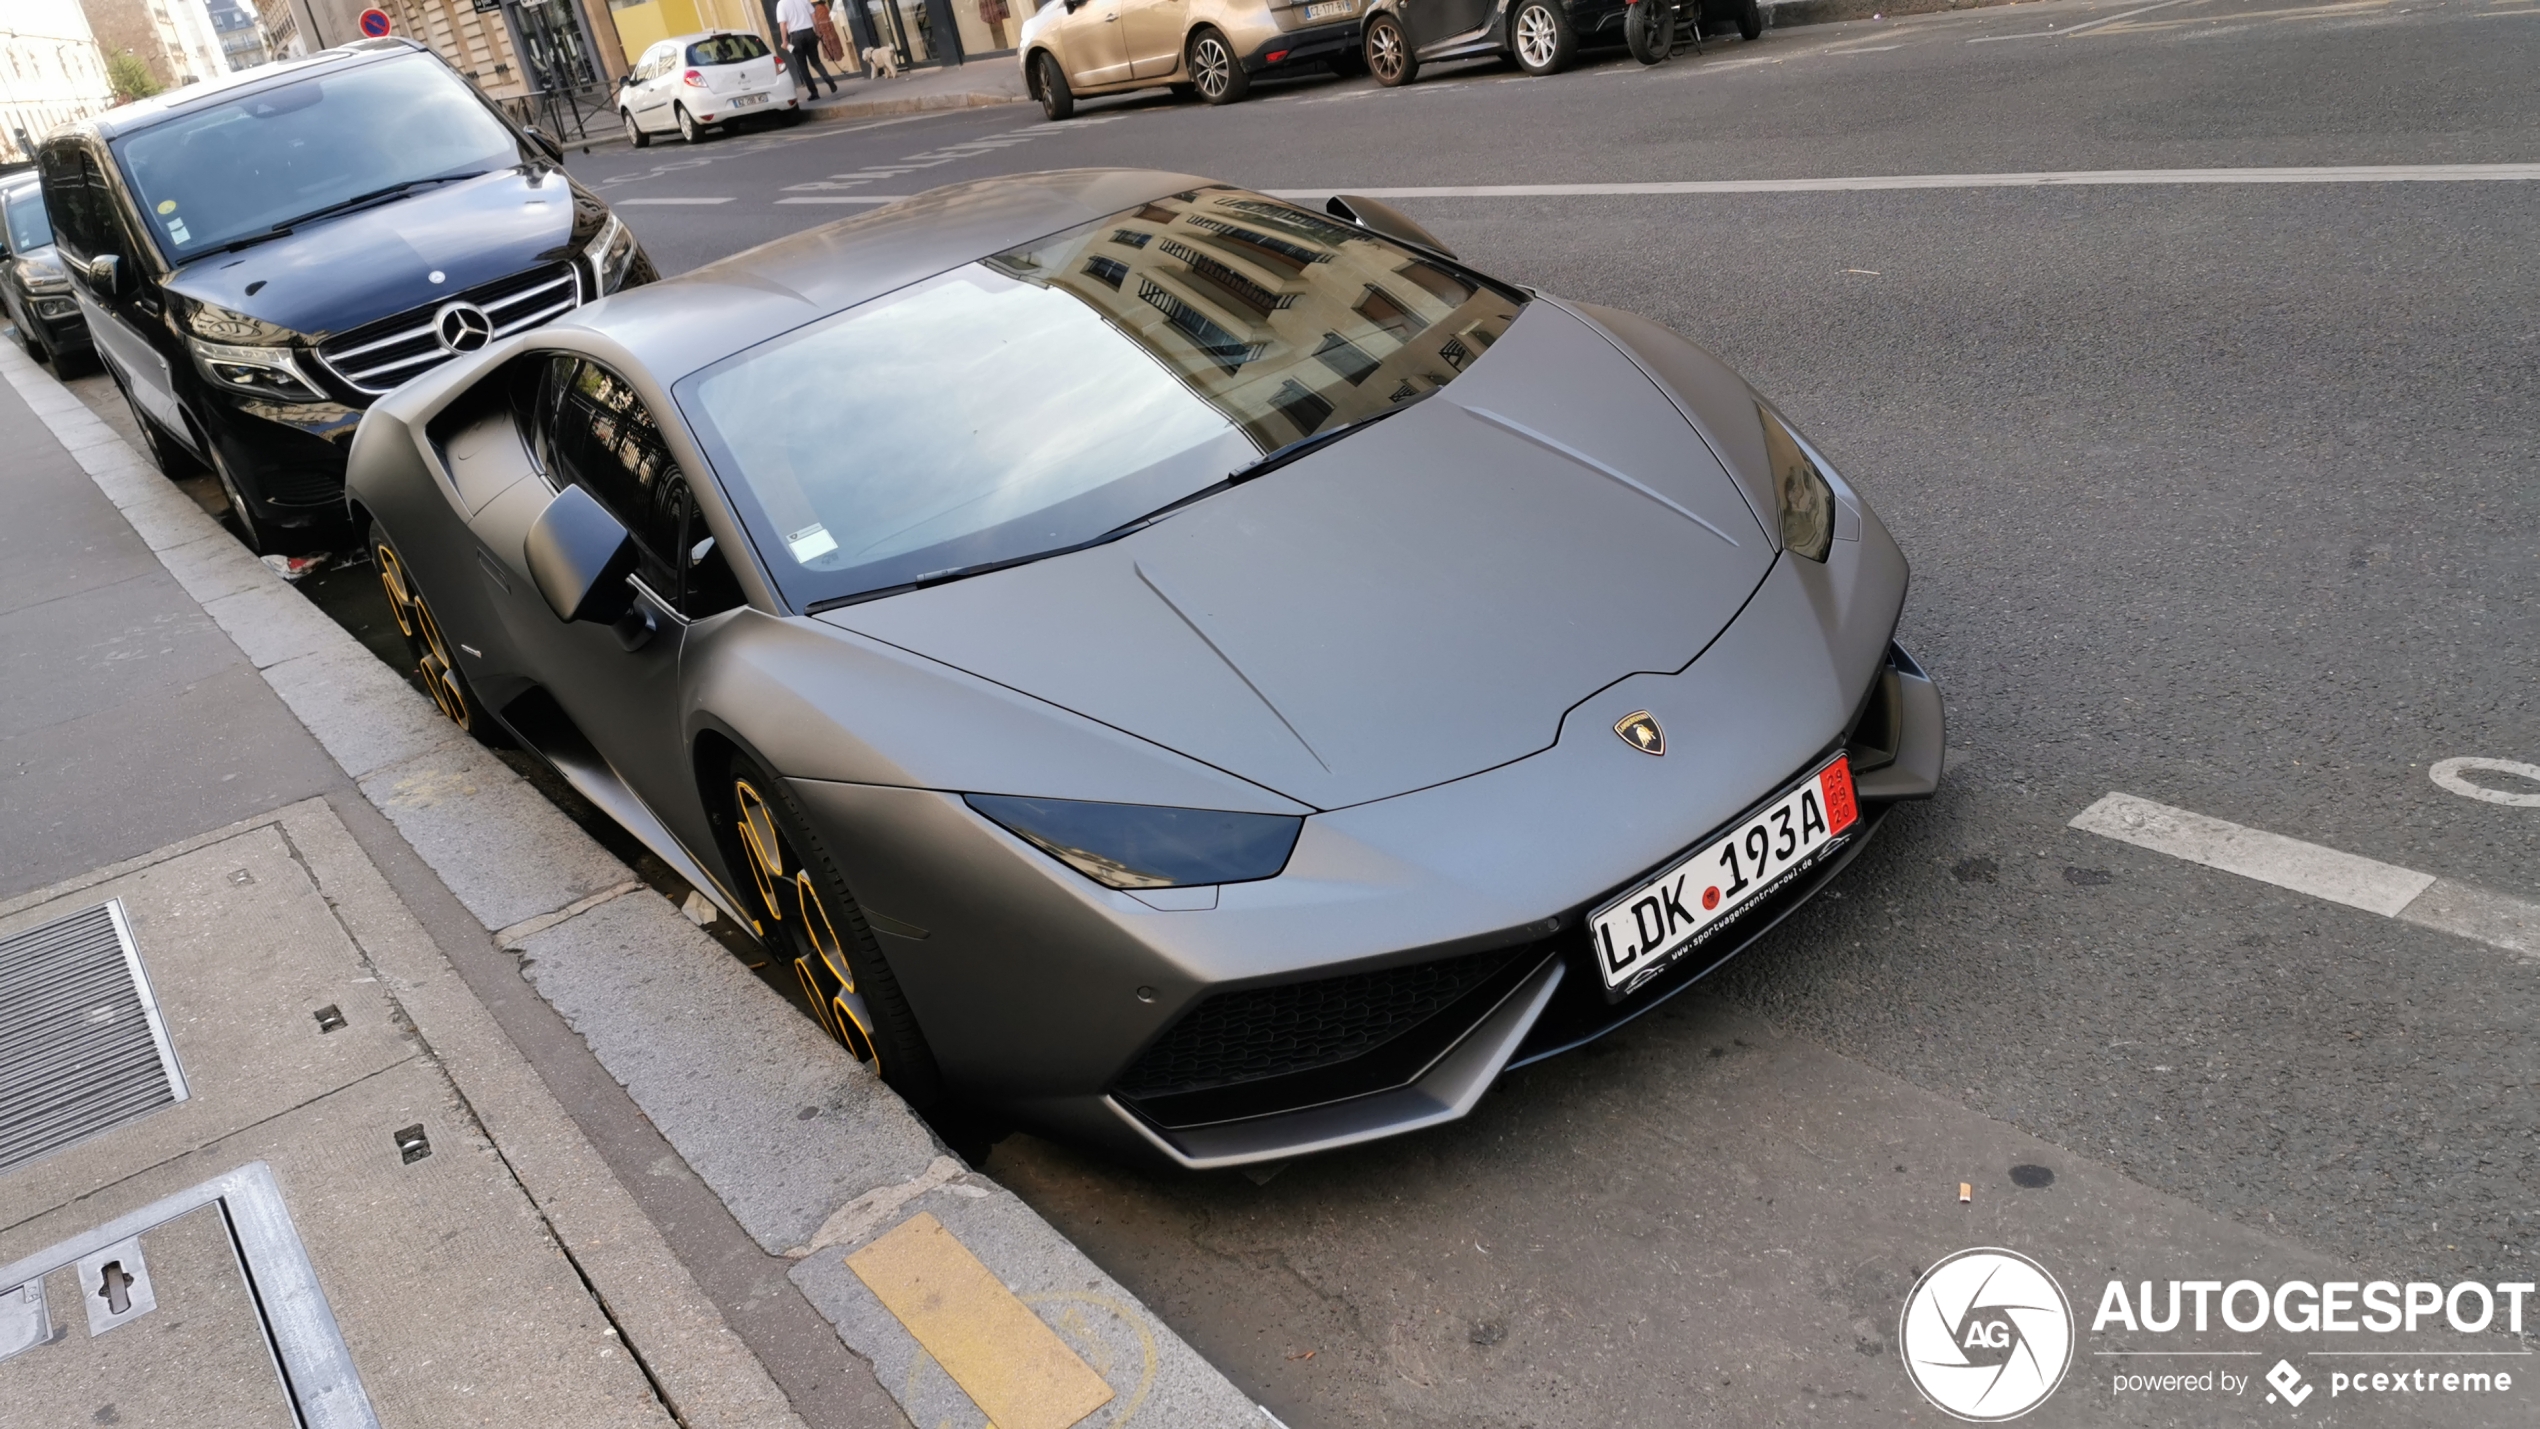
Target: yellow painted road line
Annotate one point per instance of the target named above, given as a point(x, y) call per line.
point(1013, 1366)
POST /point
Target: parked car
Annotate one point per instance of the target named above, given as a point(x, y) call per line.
point(691, 83)
point(1163, 665)
point(1211, 48)
point(34, 287)
point(1542, 36)
point(261, 257)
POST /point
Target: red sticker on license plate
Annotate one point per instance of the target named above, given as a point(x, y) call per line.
point(1835, 785)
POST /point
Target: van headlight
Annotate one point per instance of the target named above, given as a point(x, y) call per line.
point(1800, 490)
point(260, 371)
point(612, 254)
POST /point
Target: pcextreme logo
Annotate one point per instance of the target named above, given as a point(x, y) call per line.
point(1987, 1335)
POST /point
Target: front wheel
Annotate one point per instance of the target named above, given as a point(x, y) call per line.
point(807, 918)
point(1649, 30)
point(1544, 38)
point(1388, 50)
point(1219, 77)
point(436, 660)
point(254, 533)
point(635, 134)
point(1750, 20)
point(1057, 100)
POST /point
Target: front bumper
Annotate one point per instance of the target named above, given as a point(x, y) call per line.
point(1044, 994)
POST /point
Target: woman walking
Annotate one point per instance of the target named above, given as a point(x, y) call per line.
point(802, 45)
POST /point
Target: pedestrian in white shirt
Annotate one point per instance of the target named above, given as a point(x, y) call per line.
point(802, 46)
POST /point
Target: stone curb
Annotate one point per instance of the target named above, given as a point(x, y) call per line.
point(787, 1129)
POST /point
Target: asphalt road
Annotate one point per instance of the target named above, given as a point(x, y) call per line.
point(2221, 495)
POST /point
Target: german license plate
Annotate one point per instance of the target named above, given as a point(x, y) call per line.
point(1665, 918)
point(746, 100)
point(1332, 10)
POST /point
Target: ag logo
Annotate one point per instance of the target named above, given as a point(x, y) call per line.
point(1987, 1335)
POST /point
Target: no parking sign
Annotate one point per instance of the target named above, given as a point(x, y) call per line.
point(375, 24)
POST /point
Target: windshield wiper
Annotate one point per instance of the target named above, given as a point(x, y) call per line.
point(358, 200)
point(1268, 462)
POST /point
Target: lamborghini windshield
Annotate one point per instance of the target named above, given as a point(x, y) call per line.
point(1035, 400)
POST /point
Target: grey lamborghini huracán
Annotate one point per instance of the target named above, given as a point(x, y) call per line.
point(1165, 665)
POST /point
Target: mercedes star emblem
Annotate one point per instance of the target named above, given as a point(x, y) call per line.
point(462, 327)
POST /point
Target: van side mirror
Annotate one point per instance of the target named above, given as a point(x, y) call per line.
point(1385, 219)
point(106, 271)
point(581, 556)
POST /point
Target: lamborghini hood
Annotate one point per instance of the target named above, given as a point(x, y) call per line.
point(1417, 602)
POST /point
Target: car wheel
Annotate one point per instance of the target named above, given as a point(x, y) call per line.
point(1750, 20)
point(253, 532)
point(1057, 100)
point(1648, 30)
point(1388, 50)
point(808, 919)
point(1215, 72)
point(435, 658)
point(690, 131)
point(173, 461)
point(1543, 39)
point(635, 134)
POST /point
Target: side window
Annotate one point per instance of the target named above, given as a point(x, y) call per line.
point(72, 200)
point(603, 439)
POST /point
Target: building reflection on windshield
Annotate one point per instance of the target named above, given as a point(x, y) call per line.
point(1287, 321)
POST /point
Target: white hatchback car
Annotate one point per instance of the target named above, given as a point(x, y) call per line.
point(692, 82)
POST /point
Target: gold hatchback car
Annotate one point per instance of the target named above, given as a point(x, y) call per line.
point(1211, 48)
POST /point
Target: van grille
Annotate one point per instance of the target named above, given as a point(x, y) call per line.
point(377, 357)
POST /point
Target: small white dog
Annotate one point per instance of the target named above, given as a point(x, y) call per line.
point(883, 61)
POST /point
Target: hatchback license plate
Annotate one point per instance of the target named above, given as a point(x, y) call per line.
point(1332, 10)
point(746, 100)
point(1663, 919)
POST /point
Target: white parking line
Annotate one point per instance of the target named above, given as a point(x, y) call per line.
point(2077, 29)
point(841, 198)
point(626, 202)
point(2496, 919)
point(2067, 178)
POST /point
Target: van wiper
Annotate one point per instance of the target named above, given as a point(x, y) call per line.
point(1268, 462)
point(361, 199)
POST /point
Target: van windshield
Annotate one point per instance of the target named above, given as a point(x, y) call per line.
point(262, 160)
point(30, 227)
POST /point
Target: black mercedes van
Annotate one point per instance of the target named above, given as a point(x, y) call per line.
point(259, 258)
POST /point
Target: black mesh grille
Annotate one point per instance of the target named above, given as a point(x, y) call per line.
point(1295, 1027)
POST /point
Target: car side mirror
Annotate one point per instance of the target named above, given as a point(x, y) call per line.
point(106, 271)
point(1384, 218)
point(546, 146)
point(581, 556)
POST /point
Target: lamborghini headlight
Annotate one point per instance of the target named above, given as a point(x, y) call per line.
point(611, 255)
point(1806, 501)
point(1144, 846)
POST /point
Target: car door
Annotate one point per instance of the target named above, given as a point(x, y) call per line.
point(1152, 31)
point(1430, 21)
point(596, 432)
point(653, 93)
point(1091, 45)
point(125, 319)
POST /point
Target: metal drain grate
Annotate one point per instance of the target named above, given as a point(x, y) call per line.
point(81, 1046)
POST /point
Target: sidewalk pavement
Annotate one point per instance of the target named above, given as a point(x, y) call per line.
point(650, 1190)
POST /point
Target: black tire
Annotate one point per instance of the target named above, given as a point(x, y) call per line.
point(1649, 30)
point(1750, 20)
point(635, 135)
point(1388, 54)
point(1215, 72)
point(1057, 100)
point(166, 453)
point(81, 363)
point(436, 659)
point(690, 131)
point(252, 531)
point(810, 921)
point(1182, 91)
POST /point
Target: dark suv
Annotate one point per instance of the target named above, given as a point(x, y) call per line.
point(259, 259)
point(33, 287)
